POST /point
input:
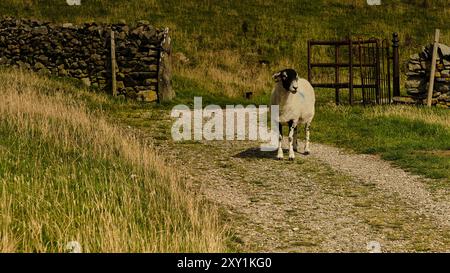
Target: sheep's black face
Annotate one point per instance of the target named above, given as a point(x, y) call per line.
point(289, 79)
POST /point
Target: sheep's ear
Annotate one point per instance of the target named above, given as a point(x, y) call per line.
point(277, 76)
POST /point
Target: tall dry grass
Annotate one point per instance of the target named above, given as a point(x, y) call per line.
point(227, 73)
point(67, 174)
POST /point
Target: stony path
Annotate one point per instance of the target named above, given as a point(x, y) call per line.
point(370, 168)
point(330, 201)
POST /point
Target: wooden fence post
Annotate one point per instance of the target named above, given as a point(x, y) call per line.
point(377, 73)
point(309, 62)
point(396, 65)
point(336, 74)
point(350, 72)
point(165, 91)
point(433, 68)
point(113, 64)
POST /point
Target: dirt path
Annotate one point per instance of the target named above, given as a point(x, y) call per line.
point(410, 188)
point(329, 201)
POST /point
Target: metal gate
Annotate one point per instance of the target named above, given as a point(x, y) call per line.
point(361, 72)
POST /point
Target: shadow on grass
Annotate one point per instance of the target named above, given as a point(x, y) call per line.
point(256, 152)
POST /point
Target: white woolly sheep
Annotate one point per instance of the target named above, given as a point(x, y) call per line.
point(296, 100)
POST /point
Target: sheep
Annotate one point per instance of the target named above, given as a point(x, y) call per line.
point(295, 98)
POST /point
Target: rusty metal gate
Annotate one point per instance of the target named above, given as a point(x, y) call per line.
point(361, 71)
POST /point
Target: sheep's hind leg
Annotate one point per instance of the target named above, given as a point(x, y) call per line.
point(280, 140)
point(292, 127)
point(307, 129)
point(295, 140)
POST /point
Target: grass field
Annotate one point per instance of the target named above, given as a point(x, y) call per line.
point(68, 174)
point(414, 138)
point(226, 40)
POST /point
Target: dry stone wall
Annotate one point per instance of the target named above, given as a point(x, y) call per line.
point(418, 75)
point(83, 52)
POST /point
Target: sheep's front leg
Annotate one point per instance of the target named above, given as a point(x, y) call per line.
point(307, 127)
point(292, 126)
point(280, 140)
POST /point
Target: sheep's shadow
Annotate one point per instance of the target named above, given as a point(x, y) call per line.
point(257, 153)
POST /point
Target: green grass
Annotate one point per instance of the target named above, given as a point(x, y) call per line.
point(406, 138)
point(67, 174)
point(190, 89)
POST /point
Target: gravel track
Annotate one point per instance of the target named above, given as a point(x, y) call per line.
point(330, 201)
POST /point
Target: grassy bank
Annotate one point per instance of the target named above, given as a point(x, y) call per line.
point(67, 174)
